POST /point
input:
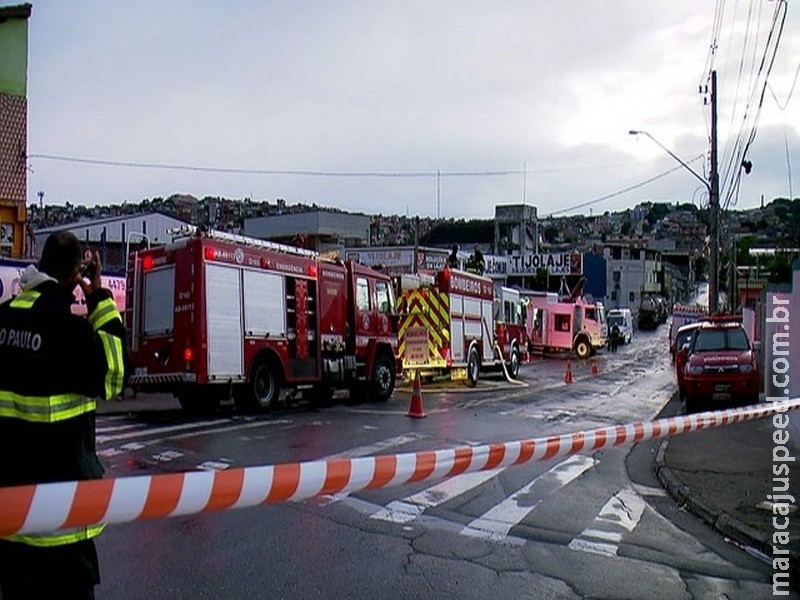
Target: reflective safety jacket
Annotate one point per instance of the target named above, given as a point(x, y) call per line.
point(53, 367)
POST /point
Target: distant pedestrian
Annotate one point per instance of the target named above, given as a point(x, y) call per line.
point(613, 339)
point(50, 381)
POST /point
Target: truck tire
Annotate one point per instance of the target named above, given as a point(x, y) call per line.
point(473, 367)
point(583, 349)
point(381, 384)
point(513, 364)
point(263, 389)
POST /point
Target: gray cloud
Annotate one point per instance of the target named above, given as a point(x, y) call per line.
point(550, 88)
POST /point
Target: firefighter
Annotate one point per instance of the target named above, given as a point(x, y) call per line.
point(55, 365)
point(478, 260)
point(452, 260)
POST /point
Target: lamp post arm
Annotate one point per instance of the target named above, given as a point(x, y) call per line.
point(675, 156)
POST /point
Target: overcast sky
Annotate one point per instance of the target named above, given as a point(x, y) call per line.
point(361, 103)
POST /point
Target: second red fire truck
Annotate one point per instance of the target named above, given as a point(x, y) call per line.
point(214, 315)
point(456, 323)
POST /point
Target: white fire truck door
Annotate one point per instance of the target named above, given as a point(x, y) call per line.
point(224, 322)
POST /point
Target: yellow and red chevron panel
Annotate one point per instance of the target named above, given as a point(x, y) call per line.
point(427, 308)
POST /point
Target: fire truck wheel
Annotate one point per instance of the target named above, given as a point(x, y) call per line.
point(473, 367)
point(513, 367)
point(383, 378)
point(583, 348)
point(264, 388)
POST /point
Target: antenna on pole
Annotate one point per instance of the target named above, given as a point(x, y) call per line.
point(524, 182)
point(438, 195)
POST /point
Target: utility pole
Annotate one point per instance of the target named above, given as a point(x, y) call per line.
point(713, 263)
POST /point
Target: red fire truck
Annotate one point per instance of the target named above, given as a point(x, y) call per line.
point(455, 323)
point(563, 325)
point(214, 315)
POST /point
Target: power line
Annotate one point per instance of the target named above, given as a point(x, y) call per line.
point(624, 190)
point(297, 172)
point(791, 91)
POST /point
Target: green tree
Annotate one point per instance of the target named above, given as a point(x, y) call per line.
point(780, 269)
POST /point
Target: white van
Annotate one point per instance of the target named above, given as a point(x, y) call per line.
point(620, 322)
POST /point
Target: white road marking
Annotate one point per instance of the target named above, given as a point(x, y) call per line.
point(132, 446)
point(411, 507)
point(214, 465)
point(102, 439)
point(377, 447)
point(646, 490)
point(497, 522)
point(622, 512)
point(118, 427)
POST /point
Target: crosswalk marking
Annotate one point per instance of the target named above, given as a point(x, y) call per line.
point(377, 447)
point(411, 507)
point(102, 439)
point(646, 490)
point(497, 522)
point(622, 512)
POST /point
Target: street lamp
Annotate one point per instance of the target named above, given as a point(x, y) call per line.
point(673, 155)
point(713, 194)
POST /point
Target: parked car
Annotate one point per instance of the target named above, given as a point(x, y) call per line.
point(721, 368)
point(683, 341)
point(620, 324)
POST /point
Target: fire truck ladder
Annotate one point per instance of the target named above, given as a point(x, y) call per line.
point(132, 312)
point(243, 240)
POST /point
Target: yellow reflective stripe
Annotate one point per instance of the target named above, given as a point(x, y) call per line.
point(114, 358)
point(44, 409)
point(25, 299)
point(60, 538)
point(105, 311)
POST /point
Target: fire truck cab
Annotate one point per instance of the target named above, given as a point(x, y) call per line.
point(214, 315)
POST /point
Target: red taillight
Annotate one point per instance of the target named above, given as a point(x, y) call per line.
point(147, 263)
point(312, 270)
point(210, 253)
point(188, 354)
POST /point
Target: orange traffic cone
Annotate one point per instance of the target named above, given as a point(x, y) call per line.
point(595, 370)
point(415, 409)
point(568, 375)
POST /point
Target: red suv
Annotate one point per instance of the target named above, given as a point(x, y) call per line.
point(683, 341)
point(721, 368)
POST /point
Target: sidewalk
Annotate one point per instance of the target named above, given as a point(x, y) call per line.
point(723, 475)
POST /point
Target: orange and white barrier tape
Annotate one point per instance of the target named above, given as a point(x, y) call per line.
point(53, 506)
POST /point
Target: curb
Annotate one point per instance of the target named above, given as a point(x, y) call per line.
point(718, 519)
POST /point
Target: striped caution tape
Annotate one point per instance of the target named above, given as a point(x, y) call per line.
point(53, 506)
